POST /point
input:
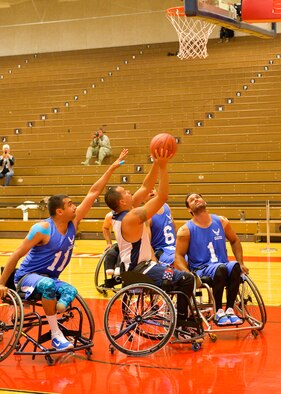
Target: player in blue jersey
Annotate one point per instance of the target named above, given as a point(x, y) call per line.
point(47, 249)
point(202, 241)
point(161, 228)
point(129, 226)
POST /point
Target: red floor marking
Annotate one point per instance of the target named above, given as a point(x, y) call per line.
point(260, 259)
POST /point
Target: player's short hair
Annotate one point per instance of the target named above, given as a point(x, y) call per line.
point(186, 198)
point(112, 198)
point(56, 202)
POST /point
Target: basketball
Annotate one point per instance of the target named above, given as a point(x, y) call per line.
point(165, 141)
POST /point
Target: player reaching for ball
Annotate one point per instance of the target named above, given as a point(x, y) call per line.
point(48, 248)
point(128, 222)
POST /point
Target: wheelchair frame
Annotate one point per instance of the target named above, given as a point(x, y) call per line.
point(25, 329)
point(249, 306)
point(141, 318)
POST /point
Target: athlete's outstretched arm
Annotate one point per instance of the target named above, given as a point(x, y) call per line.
point(97, 188)
point(147, 185)
point(133, 221)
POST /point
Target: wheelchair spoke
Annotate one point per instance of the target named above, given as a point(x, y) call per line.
point(148, 314)
point(249, 304)
point(11, 321)
point(126, 330)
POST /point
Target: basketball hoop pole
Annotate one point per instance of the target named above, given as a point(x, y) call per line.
point(268, 249)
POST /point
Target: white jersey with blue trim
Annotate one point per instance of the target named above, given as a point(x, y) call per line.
point(162, 230)
point(52, 258)
point(131, 253)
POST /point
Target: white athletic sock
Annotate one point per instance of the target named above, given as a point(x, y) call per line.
point(55, 331)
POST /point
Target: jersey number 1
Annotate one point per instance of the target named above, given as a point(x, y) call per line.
point(214, 258)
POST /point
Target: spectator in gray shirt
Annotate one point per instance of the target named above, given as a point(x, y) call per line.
point(99, 147)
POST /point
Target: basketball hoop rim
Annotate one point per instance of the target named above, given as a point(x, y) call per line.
point(176, 11)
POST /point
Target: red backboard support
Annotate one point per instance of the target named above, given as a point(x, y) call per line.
point(259, 11)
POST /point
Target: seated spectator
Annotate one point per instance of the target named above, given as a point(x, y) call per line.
point(226, 34)
point(238, 8)
point(99, 147)
point(7, 162)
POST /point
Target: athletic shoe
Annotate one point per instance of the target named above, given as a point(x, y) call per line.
point(232, 317)
point(85, 163)
point(186, 334)
point(98, 162)
point(221, 318)
point(60, 343)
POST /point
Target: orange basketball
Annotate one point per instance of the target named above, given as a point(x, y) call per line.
point(165, 141)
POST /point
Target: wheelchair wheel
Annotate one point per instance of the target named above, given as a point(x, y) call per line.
point(11, 322)
point(100, 276)
point(101, 281)
point(77, 322)
point(140, 319)
point(250, 305)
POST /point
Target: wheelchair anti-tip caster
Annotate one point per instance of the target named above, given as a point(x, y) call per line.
point(213, 337)
point(196, 346)
point(49, 360)
point(255, 333)
point(111, 349)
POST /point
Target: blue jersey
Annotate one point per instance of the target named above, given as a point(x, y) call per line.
point(207, 245)
point(162, 230)
point(52, 258)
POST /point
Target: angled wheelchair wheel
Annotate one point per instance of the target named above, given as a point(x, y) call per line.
point(101, 281)
point(100, 276)
point(11, 322)
point(140, 319)
point(77, 323)
point(250, 305)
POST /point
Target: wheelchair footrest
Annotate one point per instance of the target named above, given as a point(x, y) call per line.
point(109, 283)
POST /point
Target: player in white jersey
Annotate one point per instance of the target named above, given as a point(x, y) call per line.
point(131, 232)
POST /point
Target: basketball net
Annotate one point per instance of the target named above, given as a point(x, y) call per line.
point(193, 33)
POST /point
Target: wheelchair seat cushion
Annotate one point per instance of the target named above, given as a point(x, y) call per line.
point(132, 277)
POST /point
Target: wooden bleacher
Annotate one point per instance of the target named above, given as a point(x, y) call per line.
point(225, 112)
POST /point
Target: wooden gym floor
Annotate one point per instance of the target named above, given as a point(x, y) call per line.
point(236, 363)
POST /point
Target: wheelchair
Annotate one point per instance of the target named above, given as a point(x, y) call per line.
point(24, 329)
point(102, 281)
point(140, 319)
point(249, 307)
